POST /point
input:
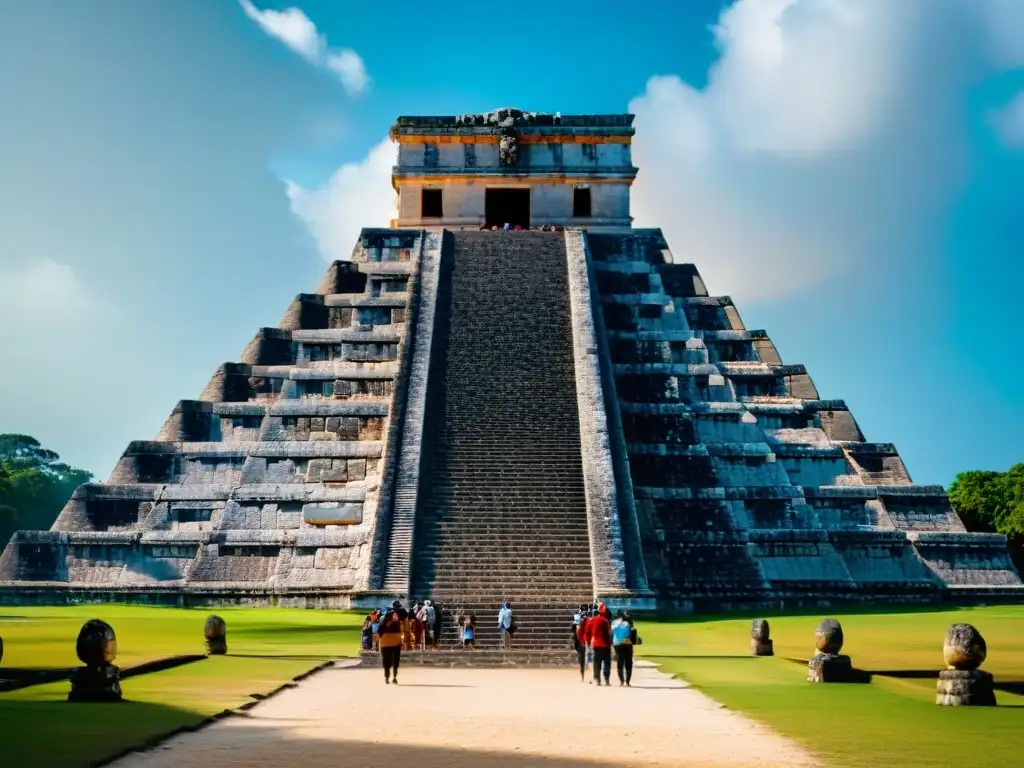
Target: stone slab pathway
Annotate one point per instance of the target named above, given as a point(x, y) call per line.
point(479, 718)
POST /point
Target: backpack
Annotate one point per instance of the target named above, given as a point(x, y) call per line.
point(621, 633)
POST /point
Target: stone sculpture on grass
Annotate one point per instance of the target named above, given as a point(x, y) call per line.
point(828, 665)
point(760, 638)
point(962, 684)
point(216, 634)
point(99, 680)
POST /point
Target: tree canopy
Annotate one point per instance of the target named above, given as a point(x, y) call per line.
point(34, 485)
point(993, 502)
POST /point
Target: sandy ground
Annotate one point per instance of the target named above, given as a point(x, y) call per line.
point(482, 718)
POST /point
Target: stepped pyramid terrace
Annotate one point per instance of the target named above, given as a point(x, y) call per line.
point(544, 415)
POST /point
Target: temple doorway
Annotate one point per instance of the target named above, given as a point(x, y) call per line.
point(506, 205)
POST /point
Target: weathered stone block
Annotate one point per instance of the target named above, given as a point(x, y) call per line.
point(332, 424)
point(338, 473)
point(965, 688)
point(332, 513)
point(315, 469)
point(317, 424)
point(95, 684)
point(357, 469)
point(348, 429)
point(830, 668)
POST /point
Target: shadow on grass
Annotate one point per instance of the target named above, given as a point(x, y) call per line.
point(56, 734)
point(15, 678)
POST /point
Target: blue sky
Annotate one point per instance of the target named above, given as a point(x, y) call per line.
point(848, 170)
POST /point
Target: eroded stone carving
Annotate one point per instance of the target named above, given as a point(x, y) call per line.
point(828, 637)
point(828, 665)
point(964, 647)
point(507, 117)
point(760, 639)
point(99, 680)
point(508, 149)
point(216, 633)
point(962, 684)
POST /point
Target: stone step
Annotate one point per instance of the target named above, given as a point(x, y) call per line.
point(502, 510)
point(478, 657)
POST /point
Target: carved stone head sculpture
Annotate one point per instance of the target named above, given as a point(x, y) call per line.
point(508, 149)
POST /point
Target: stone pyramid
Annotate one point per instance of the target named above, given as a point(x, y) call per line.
point(543, 416)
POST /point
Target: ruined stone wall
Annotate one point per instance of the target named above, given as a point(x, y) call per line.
point(748, 487)
point(550, 202)
point(270, 487)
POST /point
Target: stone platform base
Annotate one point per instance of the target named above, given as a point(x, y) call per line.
point(965, 688)
point(95, 684)
point(762, 647)
point(830, 668)
point(479, 658)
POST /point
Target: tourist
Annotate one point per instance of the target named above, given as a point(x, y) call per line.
point(392, 631)
point(366, 636)
point(438, 624)
point(429, 618)
point(599, 633)
point(579, 639)
point(506, 626)
point(506, 227)
point(375, 615)
point(622, 640)
point(418, 625)
point(408, 636)
point(468, 631)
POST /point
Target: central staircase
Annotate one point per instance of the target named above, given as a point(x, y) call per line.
point(503, 513)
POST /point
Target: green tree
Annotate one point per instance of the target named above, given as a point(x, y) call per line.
point(34, 484)
point(977, 496)
point(993, 502)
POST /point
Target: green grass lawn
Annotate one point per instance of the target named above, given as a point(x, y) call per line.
point(893, 721)
point(266, 647)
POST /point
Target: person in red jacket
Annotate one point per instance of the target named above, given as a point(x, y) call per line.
point(599, 637)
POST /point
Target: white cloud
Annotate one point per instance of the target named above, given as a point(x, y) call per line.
point(357, 195)
point(1009, 122)
point(351, 70)
point(830, 132)
point(294, 28)
point(50, 298)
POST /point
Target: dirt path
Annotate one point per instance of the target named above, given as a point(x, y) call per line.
point(477, 718)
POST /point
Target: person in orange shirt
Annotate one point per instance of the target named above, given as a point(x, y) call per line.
point(393, 626)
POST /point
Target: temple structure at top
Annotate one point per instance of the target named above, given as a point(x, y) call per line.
point(514, 167)
point(546, 416)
